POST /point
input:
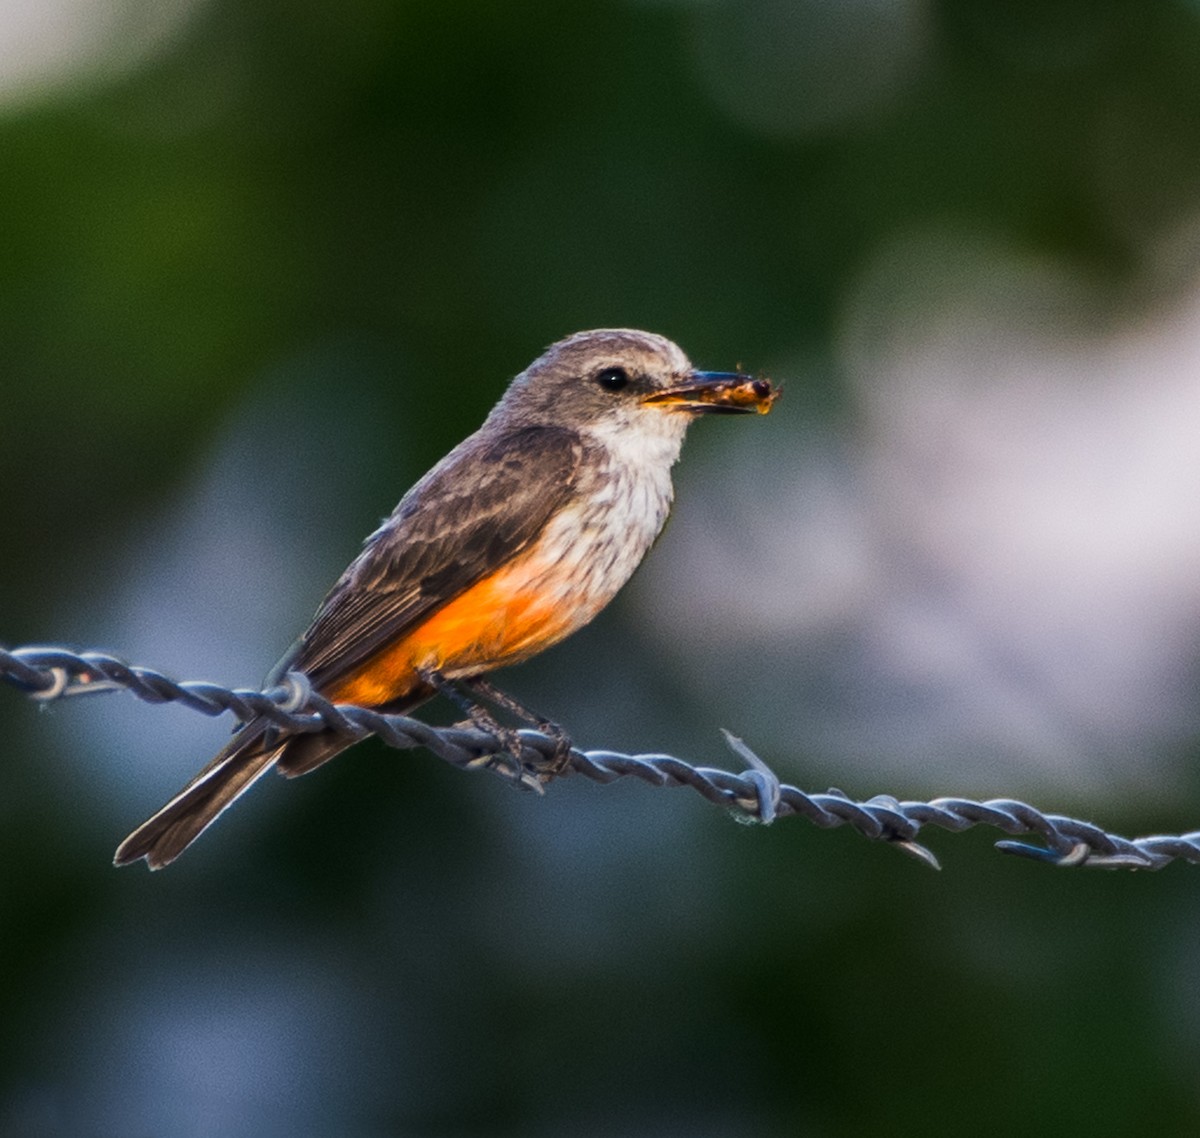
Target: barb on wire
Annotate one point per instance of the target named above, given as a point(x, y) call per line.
point(754, 795)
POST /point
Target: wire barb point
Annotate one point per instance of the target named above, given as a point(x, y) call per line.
point(764, 807)
point(915, 850)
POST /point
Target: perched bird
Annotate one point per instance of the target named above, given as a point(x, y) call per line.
point(518, 537)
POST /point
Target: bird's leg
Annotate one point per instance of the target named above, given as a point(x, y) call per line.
point(479, 717)
point(561, 755)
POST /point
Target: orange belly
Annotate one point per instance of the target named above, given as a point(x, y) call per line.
point(503, 619)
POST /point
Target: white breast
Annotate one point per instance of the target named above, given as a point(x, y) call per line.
point(598, 541)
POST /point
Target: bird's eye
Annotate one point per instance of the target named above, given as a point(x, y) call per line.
point(613, 378)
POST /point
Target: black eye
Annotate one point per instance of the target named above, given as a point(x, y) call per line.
point(613, 378)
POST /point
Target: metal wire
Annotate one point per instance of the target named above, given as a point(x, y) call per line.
point(755, 795)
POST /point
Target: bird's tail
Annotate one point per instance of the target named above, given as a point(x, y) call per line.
point(241, 762)
point(247, 756)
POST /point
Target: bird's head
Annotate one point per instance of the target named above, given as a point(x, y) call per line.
point(619, 379)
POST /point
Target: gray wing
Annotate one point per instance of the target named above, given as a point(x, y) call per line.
point(484, 502)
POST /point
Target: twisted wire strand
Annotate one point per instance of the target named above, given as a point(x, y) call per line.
point(754, 795)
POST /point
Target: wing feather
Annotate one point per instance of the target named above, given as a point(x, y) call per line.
point(482, 504)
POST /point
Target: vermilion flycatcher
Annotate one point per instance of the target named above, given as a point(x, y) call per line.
point(518, 537)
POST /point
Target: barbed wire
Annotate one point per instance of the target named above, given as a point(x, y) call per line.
point(46, 674)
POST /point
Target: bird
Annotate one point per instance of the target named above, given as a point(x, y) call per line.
point(514, 540)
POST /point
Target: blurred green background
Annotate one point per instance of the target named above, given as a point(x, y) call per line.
point(263, 264)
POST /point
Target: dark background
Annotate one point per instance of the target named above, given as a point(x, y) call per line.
point(263, 264)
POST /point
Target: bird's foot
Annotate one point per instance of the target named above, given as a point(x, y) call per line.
point(547, 767)
point(509, 745)
point(560, 757)
point(543, 768)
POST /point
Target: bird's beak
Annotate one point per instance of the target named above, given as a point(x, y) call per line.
point(717, 393)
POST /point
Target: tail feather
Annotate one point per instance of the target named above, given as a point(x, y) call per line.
point(246, 758)
point(304, 753)
point(163, 837)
